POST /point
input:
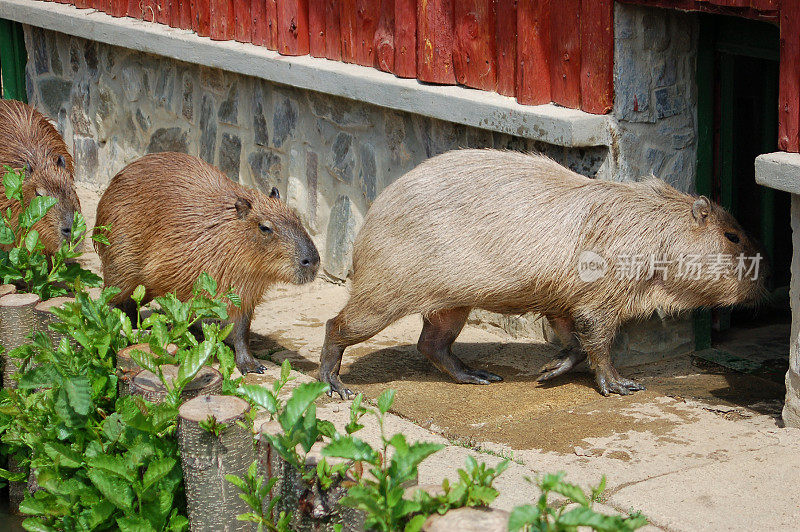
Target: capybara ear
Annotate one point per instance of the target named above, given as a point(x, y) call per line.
point(243, 207)
point(61, 162)
point(701, 209)
point(274, 193)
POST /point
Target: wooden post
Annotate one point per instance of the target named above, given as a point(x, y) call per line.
point(6, 289)
point(468, 520)
point(506, 44)
point(435, 41)
point(293, 27)
point(127, 368)
point(148, 385)
point(789, 78)
point(45, 317)
point(474, 50)
point(597, 56)
point(17, 321)
point(533, 52)
point(405, 38)
point(565, 63)
point(312, 508)
point(212, 502)
point(384, 37)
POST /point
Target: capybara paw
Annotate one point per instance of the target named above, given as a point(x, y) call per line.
point(478, 376)
point(617, 384)
point(560, 365)
point(251, 366)
point(336, 386)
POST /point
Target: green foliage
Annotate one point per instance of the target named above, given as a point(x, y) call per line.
point(210, 424)
point(578, 511)
point(25, 264)
point(254, 490)
point(379, 487)
point(104, 462)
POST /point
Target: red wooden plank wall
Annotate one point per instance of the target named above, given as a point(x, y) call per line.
point(538, 51)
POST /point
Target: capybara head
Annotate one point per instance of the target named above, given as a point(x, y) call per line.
point(279, 243)
point(29, 142)
point(56, 226)
point(733, 264)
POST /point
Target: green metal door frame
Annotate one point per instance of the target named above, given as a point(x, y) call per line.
point(721, 40)
point(13, 58)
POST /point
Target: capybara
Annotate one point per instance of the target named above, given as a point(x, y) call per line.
point(30, 143)
point(173, 216)
point(508, 232)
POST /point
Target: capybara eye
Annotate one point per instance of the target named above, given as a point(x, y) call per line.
point(266, 229)
point(733, 237)
point(60, 162)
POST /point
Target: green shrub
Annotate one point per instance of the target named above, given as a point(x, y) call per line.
point(25, 264)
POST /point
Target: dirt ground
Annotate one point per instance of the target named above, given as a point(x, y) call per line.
point(701, 449)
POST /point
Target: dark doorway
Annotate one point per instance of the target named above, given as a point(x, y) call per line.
point(737, 119)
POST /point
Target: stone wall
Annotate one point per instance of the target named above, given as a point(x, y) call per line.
point(328, 156)
point(655, 94)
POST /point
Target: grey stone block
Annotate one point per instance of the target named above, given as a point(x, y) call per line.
point(284, 121)
point(339, 242)
point(208, 129)
point(230, 152)
point(55, 94)
point(168, 139)
point(341, 158)
point(228, 112)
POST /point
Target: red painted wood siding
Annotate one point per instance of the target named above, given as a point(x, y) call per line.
point(538, 51)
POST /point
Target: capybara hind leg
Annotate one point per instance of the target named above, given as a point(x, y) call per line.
point(596, 335)
point(341, 332)
point(439, 331)
point(241, 345)
point(570, 356)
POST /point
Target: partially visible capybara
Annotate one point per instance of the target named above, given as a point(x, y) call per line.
point(174, 216)
point(514, 233)
point(29, 142)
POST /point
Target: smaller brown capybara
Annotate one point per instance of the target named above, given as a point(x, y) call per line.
point(510, 233)
point(29, 142)
point(174, 216)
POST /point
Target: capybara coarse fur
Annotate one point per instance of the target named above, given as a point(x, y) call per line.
point(30, 143)
point(174, 216)
point(505, 231)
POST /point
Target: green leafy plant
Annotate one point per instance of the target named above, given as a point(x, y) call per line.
point(25, 264)
point(103, 462)
point(474, 488)
point(542, 517)
point(381, 485)
point(254, 490)
point(210, 424)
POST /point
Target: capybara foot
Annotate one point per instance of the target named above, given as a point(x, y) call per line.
point(609, 381)
point(250, 365)
point(477, 376)
point(565, 361)
point(333, 380)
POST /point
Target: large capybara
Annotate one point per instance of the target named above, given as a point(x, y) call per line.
point(514, 233)
point(29, 142)
point(174, 216)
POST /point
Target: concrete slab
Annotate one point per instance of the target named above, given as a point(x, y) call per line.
point(779, 170)
point(753, 490)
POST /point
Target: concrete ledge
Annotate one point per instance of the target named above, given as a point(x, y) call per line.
point(779, 170)
point(547, 123)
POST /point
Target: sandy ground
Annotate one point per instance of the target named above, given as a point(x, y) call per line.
point(701, 449)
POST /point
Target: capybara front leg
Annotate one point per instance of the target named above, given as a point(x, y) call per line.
point(330, 361)
point(241, 344)
point(570, 356)
point(439, 331)
point(596, 335)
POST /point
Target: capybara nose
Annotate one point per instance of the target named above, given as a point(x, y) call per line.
point(311, 259)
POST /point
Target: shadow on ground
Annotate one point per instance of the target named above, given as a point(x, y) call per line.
point(555, 416)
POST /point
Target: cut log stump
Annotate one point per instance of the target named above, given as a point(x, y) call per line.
point(213, 502)
point(17, 321)
point(127, 368)
point(312, 508)
point(45, 317)
point(146, 384)
point(6, 289)
point(468, 520)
